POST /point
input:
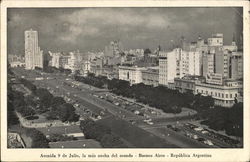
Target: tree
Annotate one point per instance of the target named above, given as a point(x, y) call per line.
point(57, 101)
point(112, 141)
point(12, 118)
point(66, 112)
point(45, 97)
point(38, 139)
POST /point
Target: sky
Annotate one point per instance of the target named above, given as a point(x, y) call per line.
point(91, 29)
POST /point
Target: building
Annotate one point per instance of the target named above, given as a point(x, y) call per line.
point(168, 66)
point(110, 72)
point(16, 61)
point(85, 67)
point(224, 95)
point(150, 76)
point(131, 74)
point(74, 61)
point(55, 59)
point(113, 49)
point(215, 40)
point(63, 61)
point(190, 63)
point(187, 83)
point(233, 47)
point(33, 54)
point(236, 65)
point(221, 63)
point(96, 66)
point(208, 64)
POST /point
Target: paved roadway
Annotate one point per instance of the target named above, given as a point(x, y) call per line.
point(84, 97)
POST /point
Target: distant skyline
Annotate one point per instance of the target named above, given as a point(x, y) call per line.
point(91, 29)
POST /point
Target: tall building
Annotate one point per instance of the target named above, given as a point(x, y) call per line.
point(236, 65)
point(168, 66)
point(190, 63)
point(221, 63)
point(74, 61)
point(33, 54)
point(55, 59)
point(207, 63)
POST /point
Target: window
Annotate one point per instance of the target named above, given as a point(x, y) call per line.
point(215, 94)
point(226, 95)
point(211, 93)
point(219, 94)
point(222, 95)
point(231, 95)
point(235, 94)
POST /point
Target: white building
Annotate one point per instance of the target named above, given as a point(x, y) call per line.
point(131, 74)
point(33, 54)
point(55, 60)
point(168, 66)
point(86, 67)
point(74, 61)
point(178, 63)
point(208, 64)
point(224, 95)
point(190, 62)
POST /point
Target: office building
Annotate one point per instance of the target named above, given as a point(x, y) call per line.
point(150, 76)
point(131, 74)
point(168, 66)
point(33, 54)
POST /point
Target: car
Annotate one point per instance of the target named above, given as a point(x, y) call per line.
point(198, 129)
point(150, 123)
point(195, 137)
point(208, 142)
point(117, 103)
point(204, 132)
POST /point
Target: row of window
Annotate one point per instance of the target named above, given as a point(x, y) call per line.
point(222, 95)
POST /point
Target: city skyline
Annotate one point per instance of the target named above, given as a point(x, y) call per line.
point(87, 29)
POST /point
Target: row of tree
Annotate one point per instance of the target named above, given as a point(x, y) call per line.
point(93, 130)
point(38, 138)
point(16, 101)
point(60, 137)
point(98, 82)
point(56, 107)
point(12, 118)
point(230, 120)
point(50, 69)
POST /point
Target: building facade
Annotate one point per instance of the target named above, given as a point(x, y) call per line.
point(224, 95)
point(236, 65)
point(131, 74)
point(33, 54)
point(168, 66)
point(187, 83)
point(150, 76)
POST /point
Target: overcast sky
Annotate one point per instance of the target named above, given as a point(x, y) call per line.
point(89, 29)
